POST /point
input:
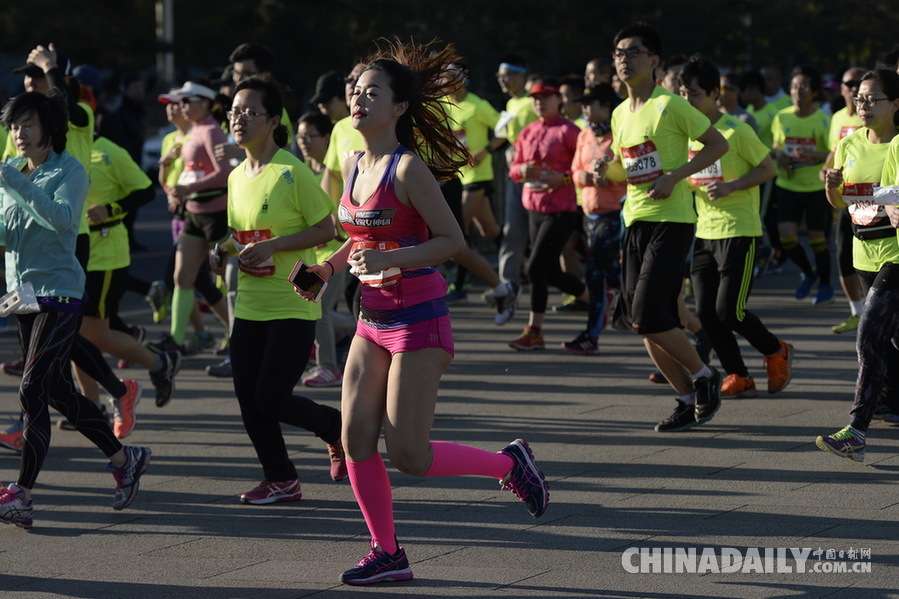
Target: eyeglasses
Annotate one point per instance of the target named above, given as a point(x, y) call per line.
point(801, 88)
point(852, 83)
point(248, 114)
point(191, 99)
point(862, 102)
point(633, 52)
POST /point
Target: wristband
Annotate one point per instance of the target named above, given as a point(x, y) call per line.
point(566, 180)
point(332, 267)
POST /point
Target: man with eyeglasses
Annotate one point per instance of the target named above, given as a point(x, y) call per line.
point(844, 122)
point(650, 132)
point(511, 76)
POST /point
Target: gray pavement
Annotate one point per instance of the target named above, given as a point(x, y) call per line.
point(751, 478)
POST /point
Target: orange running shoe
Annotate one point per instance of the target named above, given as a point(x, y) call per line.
point(735, 385)
point(780, 368)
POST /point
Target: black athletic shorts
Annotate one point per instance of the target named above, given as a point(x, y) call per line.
point(212, 226)
point(651, 276)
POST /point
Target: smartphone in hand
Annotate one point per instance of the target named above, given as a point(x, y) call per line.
point(309, 282)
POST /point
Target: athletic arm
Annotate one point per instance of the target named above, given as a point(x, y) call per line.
point(714, 147)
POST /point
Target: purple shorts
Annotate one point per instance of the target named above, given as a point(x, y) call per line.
point(434, 332)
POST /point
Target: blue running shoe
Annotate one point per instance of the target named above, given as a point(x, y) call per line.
point(127, 478)
point(379, 566)
point(13, 509)
point(845, 443)
point(525, 480)
point(825, 294)
point(805, 286)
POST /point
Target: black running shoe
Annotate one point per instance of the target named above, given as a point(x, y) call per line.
point(164, 378)
point(680, 420)
point(707, 390)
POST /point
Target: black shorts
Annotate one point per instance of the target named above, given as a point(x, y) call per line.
point(105, 289)
point(212, 226)
point(651, 276)
point(791, 205)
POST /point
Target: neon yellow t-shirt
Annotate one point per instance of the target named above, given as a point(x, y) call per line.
point(764, 117)
point(471, 118)
point(284, 199)
point(863, 165)
point(345, 141)
point(176, 166)
point(735, 215)
point(114, 175)
point(4, 138)
point(841, 125)
point(653, 141)
point(519, 113)
point(891, 167)
point(323, 252)
point(790, 133)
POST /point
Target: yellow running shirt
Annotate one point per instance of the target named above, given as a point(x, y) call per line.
point(764, 117)
point(282, 200)
point(790, 133)
point(863, 165)
point(841, 125)
point(471, 119)
point(114, 175)
point(735, 215)
point(345, 142)
point(653, 141)
point(519, 113)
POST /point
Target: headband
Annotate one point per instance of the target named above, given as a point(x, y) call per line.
point(512, 67)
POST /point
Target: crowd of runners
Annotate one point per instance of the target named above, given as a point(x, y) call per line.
point(650, 191)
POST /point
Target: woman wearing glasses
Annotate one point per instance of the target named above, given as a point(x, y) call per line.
point(864, 160)
point(202, 189)
point(277, 214)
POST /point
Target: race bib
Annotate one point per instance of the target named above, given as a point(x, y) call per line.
point(844, 131)
point(241, 239)
point(642, 163)
point(709, 174)
point(192, 173)
point(863, 210)
point(792, 145)
point(384, 278)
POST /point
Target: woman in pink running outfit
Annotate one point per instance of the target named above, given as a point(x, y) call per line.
point(399, 227)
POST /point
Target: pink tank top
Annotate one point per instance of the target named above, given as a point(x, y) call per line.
point(384, 218)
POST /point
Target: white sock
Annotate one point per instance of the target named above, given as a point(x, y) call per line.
point(706, 371)
point(688, 399)
point(856, 306)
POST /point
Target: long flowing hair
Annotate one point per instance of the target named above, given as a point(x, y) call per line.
point(422, 75)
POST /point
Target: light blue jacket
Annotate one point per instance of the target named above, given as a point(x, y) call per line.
point(39, 225)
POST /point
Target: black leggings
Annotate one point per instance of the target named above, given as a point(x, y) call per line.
point(722, 281)
point(267, 359)
point(549, 234)
point(46, 339)
point(878, 357)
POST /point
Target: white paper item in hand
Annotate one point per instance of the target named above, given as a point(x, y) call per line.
point(887, 195)
point(20, 300)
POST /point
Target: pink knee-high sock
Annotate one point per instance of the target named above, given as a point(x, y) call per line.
point(452, 459)
point(371, 486)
